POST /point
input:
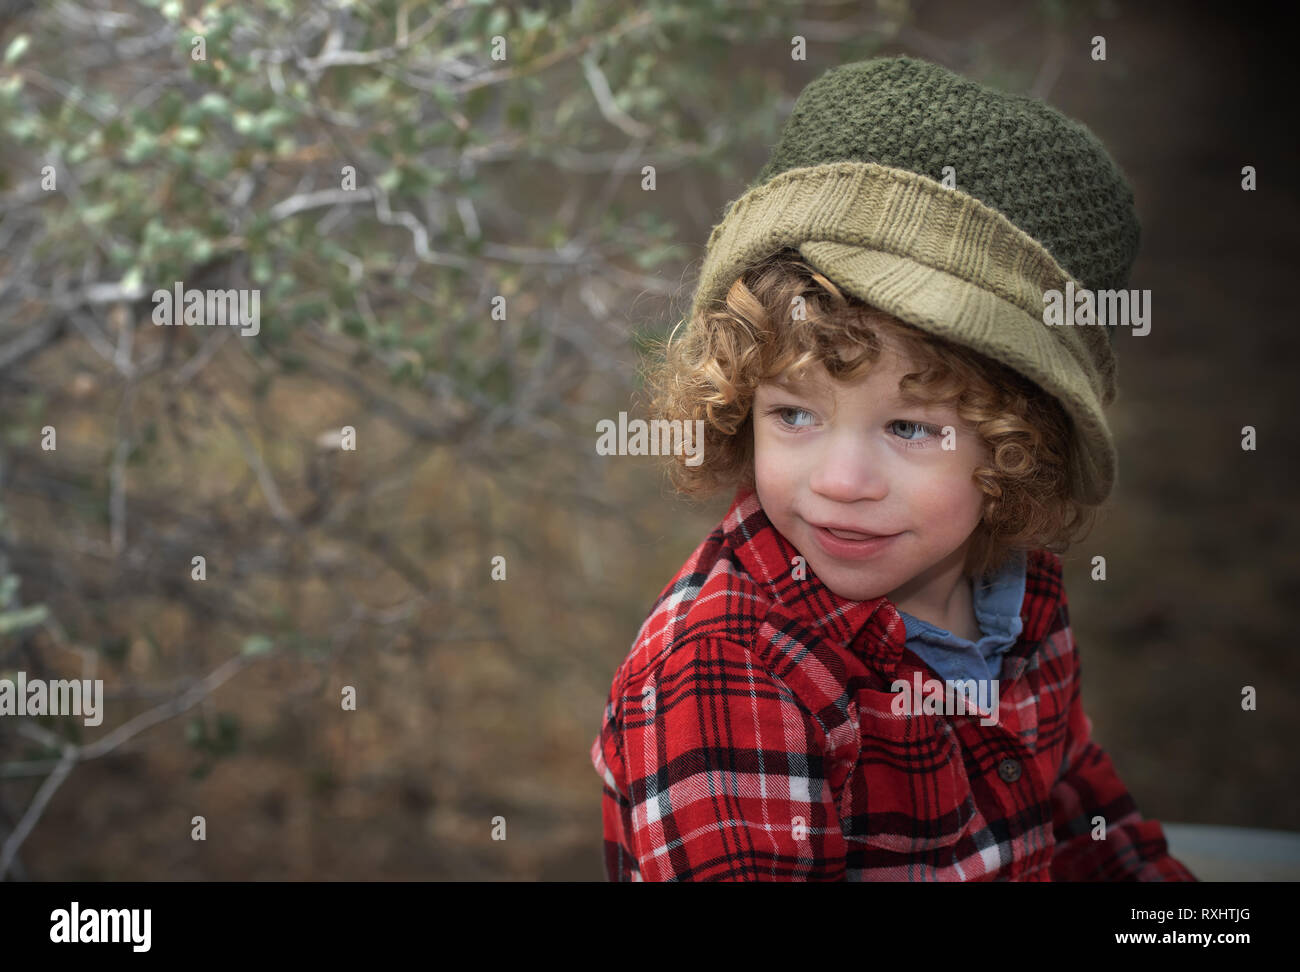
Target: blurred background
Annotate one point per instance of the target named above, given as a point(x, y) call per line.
point(470, 306)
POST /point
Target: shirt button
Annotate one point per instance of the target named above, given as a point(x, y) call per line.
point(1009, 770)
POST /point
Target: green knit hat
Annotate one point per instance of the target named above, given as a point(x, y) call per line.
point(853, 185)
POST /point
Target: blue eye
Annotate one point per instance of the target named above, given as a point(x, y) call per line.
point(915, 441)
point(785, 413)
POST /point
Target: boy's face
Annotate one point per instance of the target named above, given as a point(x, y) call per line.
point(853, 459)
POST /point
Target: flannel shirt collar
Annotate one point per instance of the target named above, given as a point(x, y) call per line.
point(873, 629)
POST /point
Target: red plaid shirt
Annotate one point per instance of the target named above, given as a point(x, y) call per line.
point(749, 736)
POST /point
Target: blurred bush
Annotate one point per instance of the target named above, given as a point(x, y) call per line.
point(453, 215)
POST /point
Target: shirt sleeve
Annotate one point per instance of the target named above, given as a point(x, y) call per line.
point(718, 774)
point(1134, 849)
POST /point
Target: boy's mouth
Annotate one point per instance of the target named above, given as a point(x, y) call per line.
point(849, 534)
point(850, 544)
point(846, 534)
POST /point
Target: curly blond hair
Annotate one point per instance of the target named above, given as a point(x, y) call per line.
point(712, 369)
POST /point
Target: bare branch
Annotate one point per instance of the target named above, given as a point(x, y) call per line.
point(72, 754)
point(315, 200)
point(615, 115)
point(264, 479)
point(47, 790)
point(332, 55)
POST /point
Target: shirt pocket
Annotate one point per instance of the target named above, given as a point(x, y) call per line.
point(908, 798)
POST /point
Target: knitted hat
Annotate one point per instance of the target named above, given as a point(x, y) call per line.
point(853, 185)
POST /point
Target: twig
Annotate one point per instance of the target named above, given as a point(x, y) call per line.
point(73, 754)
point(264, 478)
point(37, 807)
point(315, 200)
point(332, 56)
point(615, 115)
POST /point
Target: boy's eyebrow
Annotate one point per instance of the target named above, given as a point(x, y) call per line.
point(932, 408)
point(794, 385)
point(899, 400)
point(809, 389)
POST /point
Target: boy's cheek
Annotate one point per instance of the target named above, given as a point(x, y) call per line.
point(770, 474)
point(769, 486)
point(771, 455)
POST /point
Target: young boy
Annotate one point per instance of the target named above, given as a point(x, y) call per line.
point(866, 670)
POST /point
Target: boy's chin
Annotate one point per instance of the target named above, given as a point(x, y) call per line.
point(851, 589)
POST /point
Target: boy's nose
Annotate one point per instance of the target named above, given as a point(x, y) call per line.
point(847, 472)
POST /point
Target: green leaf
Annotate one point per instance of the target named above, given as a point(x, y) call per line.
point(213, 103)
point(24, 127)
point(214, 164)
point(143, 144)
point(262, 269)
point(99, 212)
point(533, 20)
point(257, 644)
point(28, 617)
point(17, 47)
point(271, 119)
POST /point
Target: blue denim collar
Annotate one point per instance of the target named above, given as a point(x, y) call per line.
point(997, 599)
